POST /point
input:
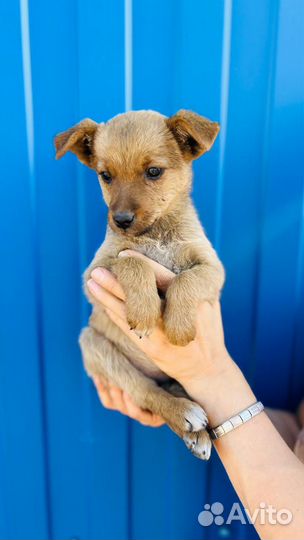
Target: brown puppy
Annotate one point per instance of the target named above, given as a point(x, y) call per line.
point(144, 165)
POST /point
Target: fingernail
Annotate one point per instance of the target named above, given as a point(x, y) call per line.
point(97, 382)
point(124, 253)
point(98, 274)
point(92, 285)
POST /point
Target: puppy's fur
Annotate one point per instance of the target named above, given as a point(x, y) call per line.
point(165, 228)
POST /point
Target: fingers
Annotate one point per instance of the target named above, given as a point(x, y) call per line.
point(110, 396)
point(162, 274)
point(117, 399)
point(103, 392)
point(150, 345)
point(103, 277)
point(145, 343)
point(114, 398)
point(106, 298)
point(120, 320)
point(115, 309)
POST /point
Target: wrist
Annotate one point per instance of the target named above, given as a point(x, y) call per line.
point(207, 378)
point(223, 393)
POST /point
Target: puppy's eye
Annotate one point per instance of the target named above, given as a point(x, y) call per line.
point(106, 177)
point(153, 173)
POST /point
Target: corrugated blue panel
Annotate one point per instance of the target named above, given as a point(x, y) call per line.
point(280, 301)
point(54, 75)
point(68, 468)
point(23, 453)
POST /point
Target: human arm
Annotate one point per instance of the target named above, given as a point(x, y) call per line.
point(260, 465)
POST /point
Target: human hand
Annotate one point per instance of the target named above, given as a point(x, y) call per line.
point(204, 357)
point(116, 399)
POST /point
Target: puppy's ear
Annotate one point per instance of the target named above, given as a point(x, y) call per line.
point(194, 134)
point(79, 140)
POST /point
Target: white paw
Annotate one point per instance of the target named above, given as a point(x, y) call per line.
point(199, 444)
point(195, 417)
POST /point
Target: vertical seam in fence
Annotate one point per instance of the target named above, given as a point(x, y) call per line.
point(84, 306)
point(128, 55)
point(224, 105)
point(81, 209)
point(28, 92)
point(29, 119)
point(224, 102)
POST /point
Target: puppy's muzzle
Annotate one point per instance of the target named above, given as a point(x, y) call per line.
point(123, 220)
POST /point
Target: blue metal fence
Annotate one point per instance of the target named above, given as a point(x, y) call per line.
point(68, 468)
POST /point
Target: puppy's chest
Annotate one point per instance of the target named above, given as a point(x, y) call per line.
point(165, 254)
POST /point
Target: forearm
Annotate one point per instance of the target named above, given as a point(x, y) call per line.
point(260, 465)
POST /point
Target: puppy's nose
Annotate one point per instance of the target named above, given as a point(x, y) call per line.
point(123, 220)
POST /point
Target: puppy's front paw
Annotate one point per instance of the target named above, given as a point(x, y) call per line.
point(199, 444)
point(143, 312)
point(179, 327)
point(143, 305)
point(180, 312)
